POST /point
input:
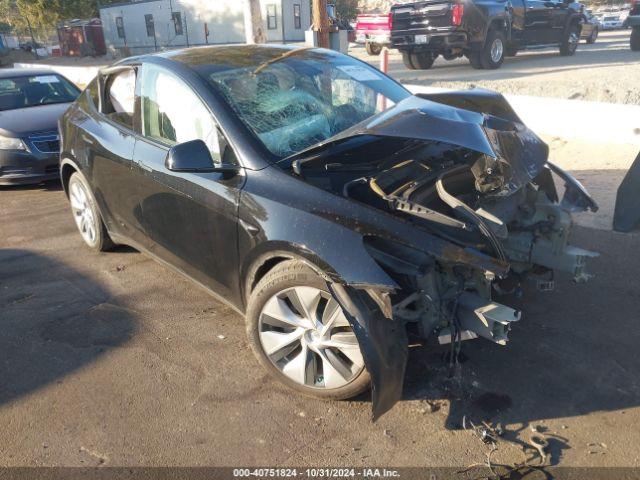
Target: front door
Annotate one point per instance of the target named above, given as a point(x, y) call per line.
point(189, 219)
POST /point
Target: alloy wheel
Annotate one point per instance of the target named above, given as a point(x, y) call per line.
point(82, 212)
point(497, 49)
point(305, 334)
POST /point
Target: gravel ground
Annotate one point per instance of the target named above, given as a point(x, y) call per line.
point(607, 71)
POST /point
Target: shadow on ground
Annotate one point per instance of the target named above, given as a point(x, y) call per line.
point(573, 353)
point(53, 320)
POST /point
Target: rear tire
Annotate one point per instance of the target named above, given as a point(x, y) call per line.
point(373, 48)
point(492, 55)
point(423, 61)
point(635, 39)
point(87, 216)
point(570, 41)
point(593, 37)
point(406, 59)
point(474, 60)
point(294, 291)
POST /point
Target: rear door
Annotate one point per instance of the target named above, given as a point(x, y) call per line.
point(559, 15)
point(538, 22)
point(189, 219)
point(109, 140)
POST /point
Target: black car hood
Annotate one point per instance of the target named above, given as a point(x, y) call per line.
point(512, 155)
point(22, 121)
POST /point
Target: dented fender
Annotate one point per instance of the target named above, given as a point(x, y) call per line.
point(383, 342)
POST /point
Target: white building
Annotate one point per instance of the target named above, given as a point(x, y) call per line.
point(148, 25)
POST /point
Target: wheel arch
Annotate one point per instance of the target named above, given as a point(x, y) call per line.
point(501, 24)
point(267, 255)
point(67, 168)
point(575, 18)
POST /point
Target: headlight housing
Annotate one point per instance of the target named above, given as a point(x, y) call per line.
point(9, 143)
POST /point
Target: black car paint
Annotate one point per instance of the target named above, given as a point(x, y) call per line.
point(224, 230)
point(524, 22)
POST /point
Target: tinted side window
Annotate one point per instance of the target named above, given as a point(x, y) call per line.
point(119, 98)
point(172, 113)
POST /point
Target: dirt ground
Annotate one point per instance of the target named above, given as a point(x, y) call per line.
point(111, 359)
point(607, 71)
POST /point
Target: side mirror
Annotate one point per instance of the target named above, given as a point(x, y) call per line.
point(194, 156)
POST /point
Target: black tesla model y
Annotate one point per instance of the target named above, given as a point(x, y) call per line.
point(323, 201)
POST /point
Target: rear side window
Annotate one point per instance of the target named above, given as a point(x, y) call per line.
point(119, 98)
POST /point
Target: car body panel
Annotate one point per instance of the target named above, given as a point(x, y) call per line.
point(373, 28)
point(189, 219)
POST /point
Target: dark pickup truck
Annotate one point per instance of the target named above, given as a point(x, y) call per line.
point(485, 31)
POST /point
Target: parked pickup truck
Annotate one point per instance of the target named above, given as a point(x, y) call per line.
point(633, 20)
point(485, 31)
point(373, 30)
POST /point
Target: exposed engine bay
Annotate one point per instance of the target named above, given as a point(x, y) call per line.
point(477, 180)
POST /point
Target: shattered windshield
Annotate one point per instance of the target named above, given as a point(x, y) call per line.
point(305, 97)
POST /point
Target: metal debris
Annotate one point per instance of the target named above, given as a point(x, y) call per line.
point(492, 435)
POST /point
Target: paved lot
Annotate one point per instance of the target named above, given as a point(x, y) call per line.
point(111, 359)
point(606, 71)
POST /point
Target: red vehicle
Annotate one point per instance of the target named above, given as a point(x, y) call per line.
point(373, 29)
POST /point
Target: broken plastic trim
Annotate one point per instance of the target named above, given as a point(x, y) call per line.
point(383, 342)
point(575, 198)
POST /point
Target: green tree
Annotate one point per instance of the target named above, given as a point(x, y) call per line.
point(44, 15)
point(346, 9)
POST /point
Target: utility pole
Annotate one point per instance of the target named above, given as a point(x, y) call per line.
point(253, 27)
point(321, 22)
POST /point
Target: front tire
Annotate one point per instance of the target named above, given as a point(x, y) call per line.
point(635, 39)
point(87, 216)
point(300, 334)
point(373, 48)
point(593, 37)
point(492, 55)
point(570, 41)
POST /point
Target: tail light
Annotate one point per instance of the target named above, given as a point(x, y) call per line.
point(456, 14)
point(390, 21)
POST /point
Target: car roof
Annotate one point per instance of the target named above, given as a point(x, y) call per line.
point(226, 57)
point(25, 72)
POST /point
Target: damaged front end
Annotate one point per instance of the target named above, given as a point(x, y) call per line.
point(471, 174)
